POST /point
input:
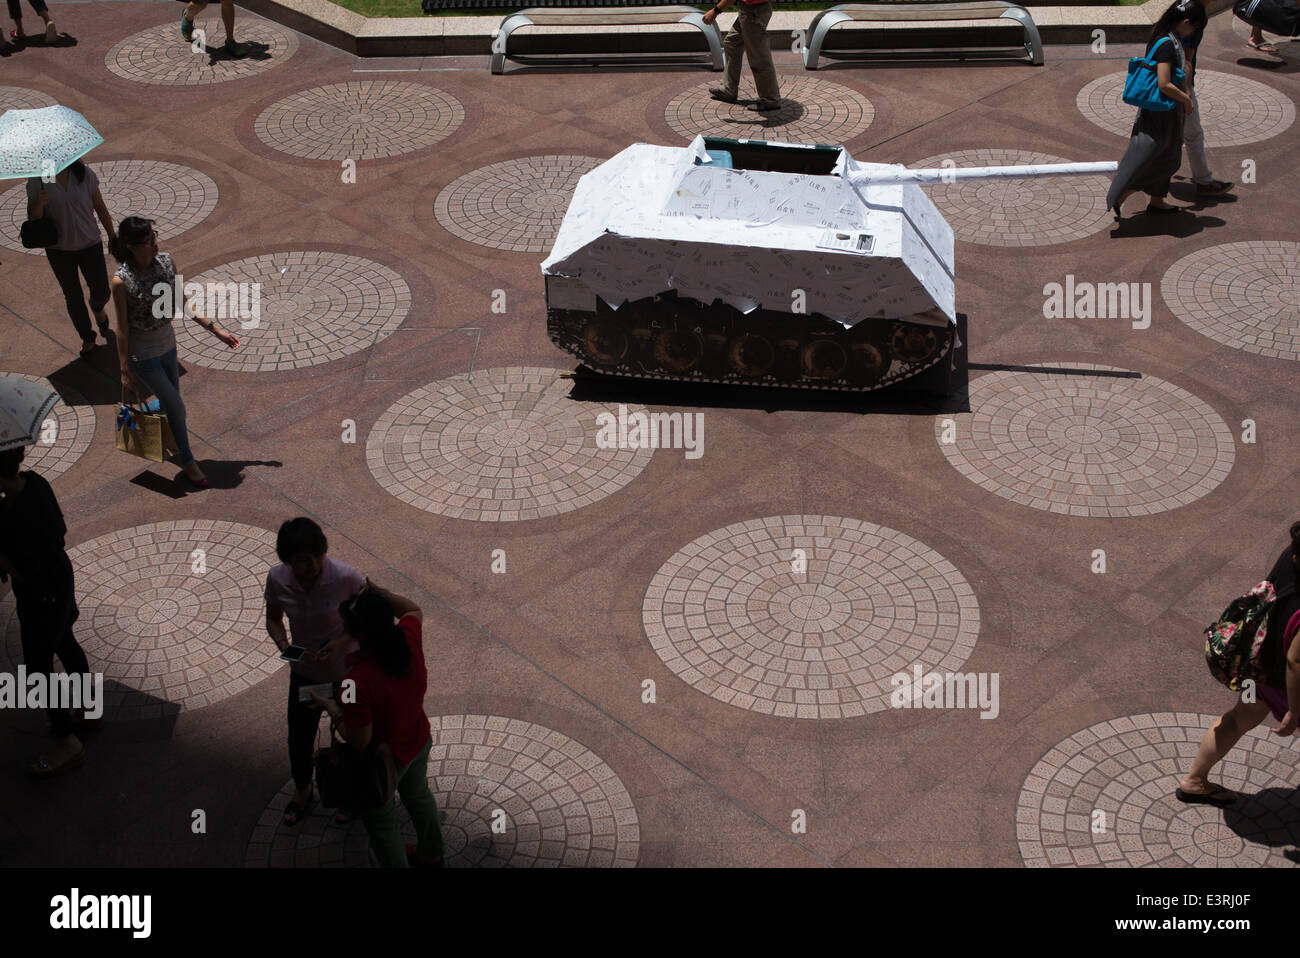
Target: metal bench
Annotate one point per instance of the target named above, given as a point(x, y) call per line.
point(601, 16)
point(919, 10)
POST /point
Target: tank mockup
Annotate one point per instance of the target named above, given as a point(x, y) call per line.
point(764, 264)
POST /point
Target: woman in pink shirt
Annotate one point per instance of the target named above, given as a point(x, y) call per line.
point(308, 587)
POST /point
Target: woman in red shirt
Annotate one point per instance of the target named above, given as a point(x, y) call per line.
point(389, 679)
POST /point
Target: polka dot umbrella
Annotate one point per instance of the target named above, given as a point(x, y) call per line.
point(23, 408)
point(43, 142)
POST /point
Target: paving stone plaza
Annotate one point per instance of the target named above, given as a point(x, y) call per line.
point(621, 654)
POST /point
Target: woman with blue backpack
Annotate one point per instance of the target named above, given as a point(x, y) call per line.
point(1157, 83)
point(1276, 672)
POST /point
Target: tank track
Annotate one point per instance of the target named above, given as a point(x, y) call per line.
point(680, 339)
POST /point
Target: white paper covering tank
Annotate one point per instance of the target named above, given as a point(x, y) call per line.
point(749, 262)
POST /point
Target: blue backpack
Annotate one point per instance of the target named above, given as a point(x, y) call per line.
point(1142, 88)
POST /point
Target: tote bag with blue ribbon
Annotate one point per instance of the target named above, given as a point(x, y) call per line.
point(1142, 88)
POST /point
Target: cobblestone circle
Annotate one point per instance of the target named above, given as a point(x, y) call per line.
point(1234, 110)
point(1245, 295)
point(1018, 212)
point(160, 56)
point(22, 98)
point(732, 616)
point(503, 445)
point(312, 308)
point(515, 205)
point(166, 636)
point(812, 111)
point(73, 429)
point(1128, 768)
point(176, 197)
point(359, 120)
point(563, 806)
point(1097, 442)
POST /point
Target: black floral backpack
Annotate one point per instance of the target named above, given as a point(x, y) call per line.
point(1235, 643)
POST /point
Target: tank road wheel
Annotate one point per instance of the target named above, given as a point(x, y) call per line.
point(824, 359)
point(915, 344)
point(751, 355)
point(606, 344)
point(870, 363)
point(679, 350)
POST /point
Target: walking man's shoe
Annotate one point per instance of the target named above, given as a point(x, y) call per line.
point(720, 94)
point(1213, 188)
point(761, 107)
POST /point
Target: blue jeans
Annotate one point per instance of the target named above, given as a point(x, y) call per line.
point(162, 375)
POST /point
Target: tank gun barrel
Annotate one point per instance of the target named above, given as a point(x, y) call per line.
point(953, 174)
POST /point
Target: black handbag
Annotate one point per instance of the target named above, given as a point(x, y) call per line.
point(1276, 16)
point(355, 779)
point(38, 234)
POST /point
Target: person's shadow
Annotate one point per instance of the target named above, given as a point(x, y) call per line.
point(1269, 817)
point(221, 473)
point(253, 50)
point(38, 40)
point(1182, 224)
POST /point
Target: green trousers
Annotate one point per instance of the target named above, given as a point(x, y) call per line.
point(381, 823)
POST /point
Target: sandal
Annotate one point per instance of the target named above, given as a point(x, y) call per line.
point(415, 861)
point(87, 348)
point(344, 818)
point(1212, 797)
point(1264, 47)
point(294, 811)
point(41, 768)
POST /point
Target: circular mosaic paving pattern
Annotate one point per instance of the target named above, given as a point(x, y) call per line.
point(1096, 443)
point(516, 205)
point(22, 98)
point(166, 635)
point(1245, 295)
point(812, 111)
point(359, 120)
point(1234, 110)
point(1018, 212)
point(730, 615)
point(293, 310)
point(555, 801)
point(160, 56)
point(503, 445)
point(1128, 768)
point(66, 434)
point(176, 197)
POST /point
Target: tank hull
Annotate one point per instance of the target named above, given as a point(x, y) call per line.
point(680, 339)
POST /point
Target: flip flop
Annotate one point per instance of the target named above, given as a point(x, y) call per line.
point(1264, 47)
point(1206, 798)
point(296, 811)
point(87, 348)
point(43, 769)
point(344, 819)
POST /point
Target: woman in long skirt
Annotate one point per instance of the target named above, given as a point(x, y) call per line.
point(1155, 149)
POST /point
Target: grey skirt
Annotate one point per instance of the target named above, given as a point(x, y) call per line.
point(1155, 151)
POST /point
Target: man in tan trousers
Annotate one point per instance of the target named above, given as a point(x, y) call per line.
point(748, 35)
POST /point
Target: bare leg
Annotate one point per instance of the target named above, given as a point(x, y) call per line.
point(228, 19)
point(1218, 740)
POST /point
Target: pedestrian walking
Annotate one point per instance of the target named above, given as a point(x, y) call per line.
point(72, 200)
point(195, 7)
point(308, 586)
point(1280, 658)
point(748, 36)
point(42, 11)
point(144, 297)
point(1155, 149)
point(388, 707)
point(32, 554)
point(1193, 131)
